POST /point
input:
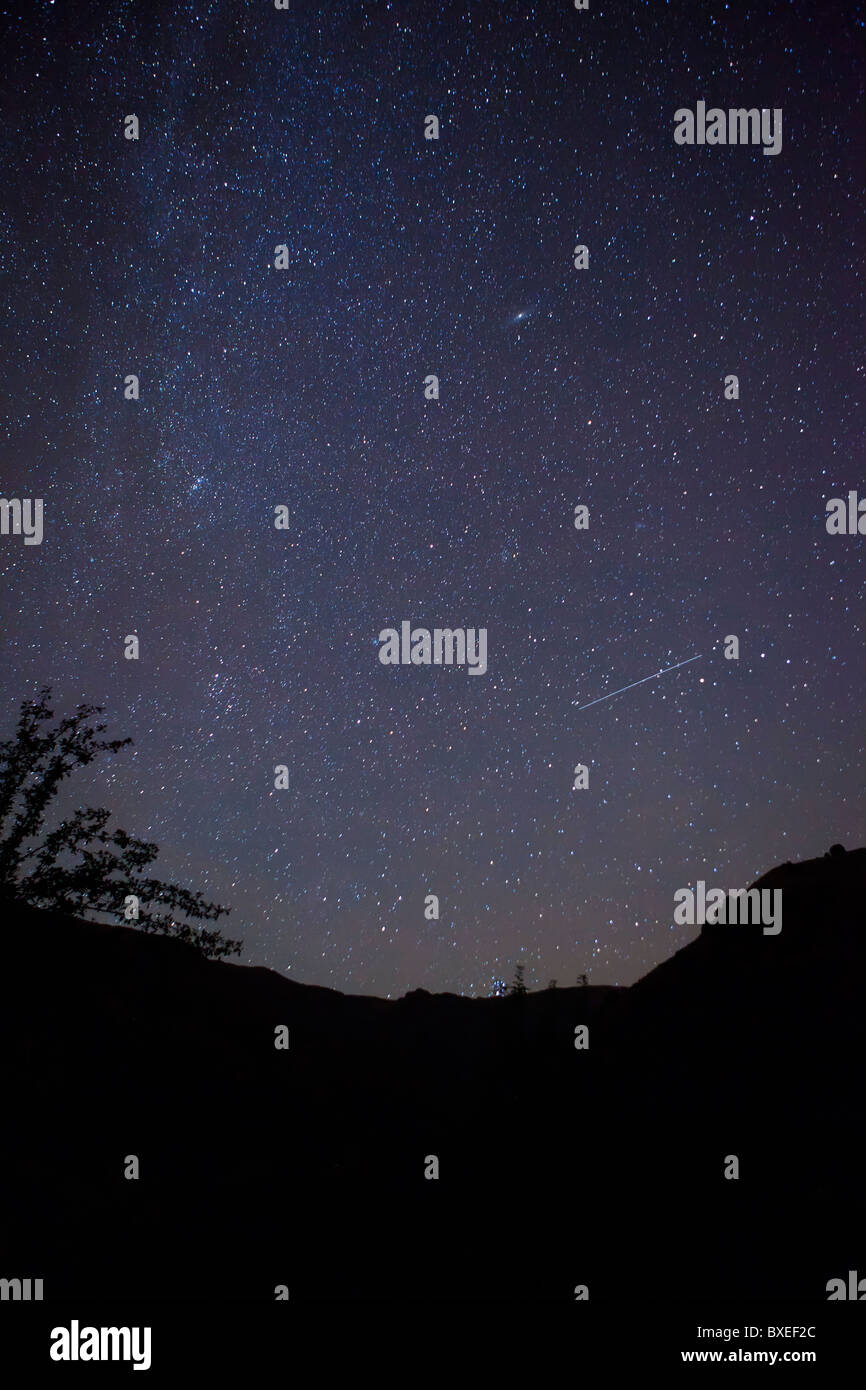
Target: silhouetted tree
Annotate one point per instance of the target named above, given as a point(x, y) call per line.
point(518, 984)
point(552, 984)
point(80, 866)
point(582, 980)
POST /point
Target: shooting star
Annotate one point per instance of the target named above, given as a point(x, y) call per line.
point(655, 675)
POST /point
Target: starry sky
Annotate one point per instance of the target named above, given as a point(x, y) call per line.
point(559, 387)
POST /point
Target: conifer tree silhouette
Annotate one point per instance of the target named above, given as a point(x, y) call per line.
point(80, 866)
point(518, 984)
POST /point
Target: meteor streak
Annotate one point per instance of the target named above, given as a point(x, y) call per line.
point(653, 677)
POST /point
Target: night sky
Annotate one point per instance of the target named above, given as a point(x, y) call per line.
point(305, 387)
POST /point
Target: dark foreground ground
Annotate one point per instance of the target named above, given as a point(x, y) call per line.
point(558, 1167)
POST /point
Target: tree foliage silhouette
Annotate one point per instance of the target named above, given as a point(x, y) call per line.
point(80, 865)
point(518, 984)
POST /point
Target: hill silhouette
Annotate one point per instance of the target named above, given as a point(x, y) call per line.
point(558, 1167)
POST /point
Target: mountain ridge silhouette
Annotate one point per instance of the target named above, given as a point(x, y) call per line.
point(558, 1166)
